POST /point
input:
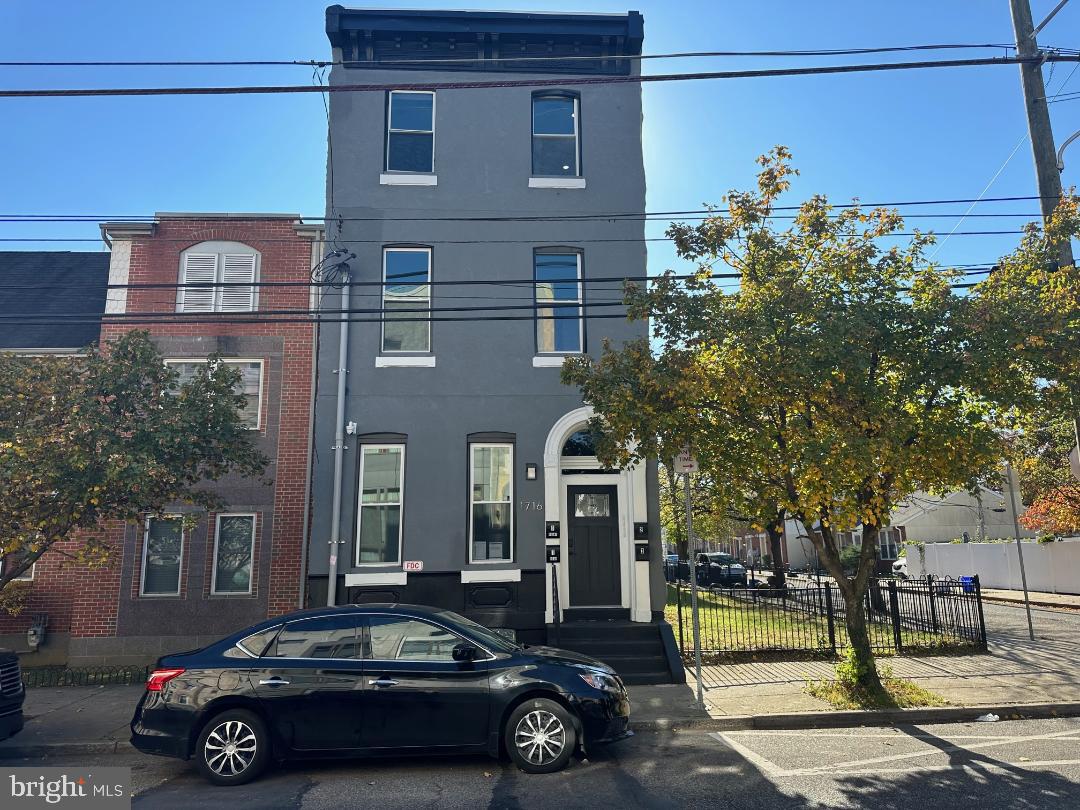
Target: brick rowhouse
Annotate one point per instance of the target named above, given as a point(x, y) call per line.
point(119, 614)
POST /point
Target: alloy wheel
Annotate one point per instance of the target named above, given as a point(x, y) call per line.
point(540, 737)
point(230, 748)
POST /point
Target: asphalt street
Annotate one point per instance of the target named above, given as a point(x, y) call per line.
point(1007, 764)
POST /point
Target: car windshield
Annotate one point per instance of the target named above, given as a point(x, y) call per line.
point(493, 640)
point(722, 559)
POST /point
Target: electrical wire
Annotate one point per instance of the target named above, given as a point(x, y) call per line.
point(576, 80)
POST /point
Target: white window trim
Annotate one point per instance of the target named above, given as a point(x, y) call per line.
point(25, 576)
point(400, 505)
point(556, 182)
point(509, 503)
point(576, 136)
point(387, 578)
point(145, 557)
point(213, 560)
point(382, 333)
point(206, 248)
point(431, 132)
point(553, 360)
point(558, 304)
point(502, 575)
point(233, 361)
point(408, 179)
point(403, 361)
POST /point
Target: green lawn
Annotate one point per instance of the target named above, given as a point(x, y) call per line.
point(733, 626)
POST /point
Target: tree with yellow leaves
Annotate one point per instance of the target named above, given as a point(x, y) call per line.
point(837, 380)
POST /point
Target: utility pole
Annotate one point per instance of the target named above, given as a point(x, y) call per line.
point(1038, 114)
point(1019, 546)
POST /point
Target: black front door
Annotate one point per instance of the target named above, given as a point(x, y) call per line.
point(592, 516)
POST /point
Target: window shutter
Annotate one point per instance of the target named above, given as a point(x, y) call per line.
point(199, 268)
point(238, 268)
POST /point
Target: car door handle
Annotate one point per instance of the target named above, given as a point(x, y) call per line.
point(382, 682)
point(274, 682)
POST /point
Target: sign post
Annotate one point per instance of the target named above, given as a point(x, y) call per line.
point(686, 464)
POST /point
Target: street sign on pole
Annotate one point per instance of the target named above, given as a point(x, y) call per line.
point(693, 583)
point(1074, 462)
point(685, 463)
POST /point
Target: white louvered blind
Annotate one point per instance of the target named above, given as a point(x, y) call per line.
point(199, 268)
point(238, 268)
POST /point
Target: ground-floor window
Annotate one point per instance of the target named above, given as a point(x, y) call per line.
point(162, 558)
point(234, 549)
point(14, 559)
point(491, 518)
point(888, 540)
point(382, 487)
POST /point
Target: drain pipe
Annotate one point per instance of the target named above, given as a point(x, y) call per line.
point(339, 434)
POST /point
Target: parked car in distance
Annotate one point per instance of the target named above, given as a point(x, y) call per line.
point(12, 695)
point(360, 680)
point(899, 568)
point(718, 568)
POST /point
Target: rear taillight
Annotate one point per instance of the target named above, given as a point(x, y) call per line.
point(159, 677)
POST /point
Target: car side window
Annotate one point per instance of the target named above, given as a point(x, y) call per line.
point(323, 637)
point(400, 639)
point(256, 643)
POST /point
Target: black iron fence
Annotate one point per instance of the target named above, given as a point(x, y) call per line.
point(83, 676)
point(902, 616)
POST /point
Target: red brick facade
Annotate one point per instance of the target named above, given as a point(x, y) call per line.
point(106, 602)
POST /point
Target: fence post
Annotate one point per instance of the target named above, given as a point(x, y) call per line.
point(933, 607)
point(894, 608)
point(979, 607)
point(678, 602)
point(829, 616)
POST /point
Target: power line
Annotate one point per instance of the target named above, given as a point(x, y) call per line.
point(318, 63)
point(576, 80)
point(106, 218)
point(975, 270)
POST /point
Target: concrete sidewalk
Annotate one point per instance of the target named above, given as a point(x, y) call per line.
point(74, 720)
point(1067, 601)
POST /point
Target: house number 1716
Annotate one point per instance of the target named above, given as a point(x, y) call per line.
point(533, 506)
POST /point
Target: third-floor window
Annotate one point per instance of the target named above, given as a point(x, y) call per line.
point(555, 128)
point(410, 131)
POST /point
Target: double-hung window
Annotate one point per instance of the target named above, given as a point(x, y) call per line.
point(491, 513)
point(382, 488)
point(555, 130)
point(250, 385)
point(15, 558)
point(410, 132)
point(162, 558)
point(887, 544)
point(234, 548)
point(559, 326)
point(406, 300)
point(218, 277)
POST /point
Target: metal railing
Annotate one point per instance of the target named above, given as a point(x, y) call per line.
point(901, 616)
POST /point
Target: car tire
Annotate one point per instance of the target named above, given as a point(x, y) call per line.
point(540, 736)
point(233, 748)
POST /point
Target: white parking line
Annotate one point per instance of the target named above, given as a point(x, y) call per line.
point(772, 769)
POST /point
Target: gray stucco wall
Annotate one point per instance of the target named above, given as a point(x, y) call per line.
point(484, 379)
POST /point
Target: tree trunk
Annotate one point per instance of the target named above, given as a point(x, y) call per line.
point(775, 531)
point(866, 670)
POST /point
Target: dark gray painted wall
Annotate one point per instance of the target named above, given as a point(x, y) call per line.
point(484, 379)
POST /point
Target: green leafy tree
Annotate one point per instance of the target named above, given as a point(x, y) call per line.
point(109, 435)
point(713, 518)
point(835, 382)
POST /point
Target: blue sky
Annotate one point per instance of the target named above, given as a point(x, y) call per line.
point(881, 136)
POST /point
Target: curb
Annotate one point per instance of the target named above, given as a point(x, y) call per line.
point(64, 749)
point(1034, 603)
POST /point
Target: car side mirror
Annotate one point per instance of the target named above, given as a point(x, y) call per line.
point(464, 652)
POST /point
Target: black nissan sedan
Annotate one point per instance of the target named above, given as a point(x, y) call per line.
point(374, 679)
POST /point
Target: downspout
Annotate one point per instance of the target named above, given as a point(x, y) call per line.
point(316, 254)
point(339, 438)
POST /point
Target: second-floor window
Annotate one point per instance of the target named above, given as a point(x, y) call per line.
point(410, 131)
point(559, 328)
point(555, 131)
point(406, 300)
point(251, 375)
point(222, 276)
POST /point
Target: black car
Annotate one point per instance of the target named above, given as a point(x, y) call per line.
point(12, 695)
point(718, 568)
point(371, 679)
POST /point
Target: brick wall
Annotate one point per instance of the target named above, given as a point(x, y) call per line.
point(86, 603)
